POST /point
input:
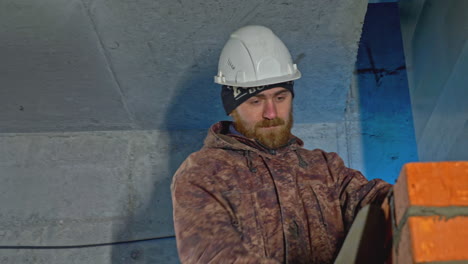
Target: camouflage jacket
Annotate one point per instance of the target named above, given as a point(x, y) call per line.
point(236, 202)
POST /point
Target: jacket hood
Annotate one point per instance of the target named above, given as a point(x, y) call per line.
point(220, 137)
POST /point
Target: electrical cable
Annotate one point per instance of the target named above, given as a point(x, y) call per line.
point(86, 245)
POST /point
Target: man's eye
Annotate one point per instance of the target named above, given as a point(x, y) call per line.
point(254, 102)
point(280, 98)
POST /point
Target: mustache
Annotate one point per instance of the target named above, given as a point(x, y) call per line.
point(269, 123)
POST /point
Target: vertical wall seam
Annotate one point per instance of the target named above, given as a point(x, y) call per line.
point(109, 65)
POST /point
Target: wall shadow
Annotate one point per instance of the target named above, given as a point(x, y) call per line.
point(195, 106)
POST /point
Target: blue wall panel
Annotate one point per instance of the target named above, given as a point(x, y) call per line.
point(384, 103)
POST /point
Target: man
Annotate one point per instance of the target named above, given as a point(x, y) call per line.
point(252, 194)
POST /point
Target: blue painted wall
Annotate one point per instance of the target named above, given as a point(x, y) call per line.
point(386, 121)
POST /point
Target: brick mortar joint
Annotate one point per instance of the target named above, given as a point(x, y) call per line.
point(444, 213)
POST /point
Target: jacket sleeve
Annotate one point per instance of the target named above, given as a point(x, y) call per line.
point(204, 228)
point(355, 191)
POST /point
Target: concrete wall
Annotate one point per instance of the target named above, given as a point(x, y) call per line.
point(379, 117)
point(86, 65)
point(100, 101)
point(435, 36)
point(75, 189)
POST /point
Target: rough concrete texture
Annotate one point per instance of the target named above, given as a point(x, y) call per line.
point(106, 65)
point(77, 188)
point(88, 187)
point(436, 49)
point(160, 251)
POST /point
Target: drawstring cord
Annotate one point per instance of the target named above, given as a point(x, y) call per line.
point(249, 161)
point(302, 162)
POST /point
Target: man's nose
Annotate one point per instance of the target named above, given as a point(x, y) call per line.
point(269, 110)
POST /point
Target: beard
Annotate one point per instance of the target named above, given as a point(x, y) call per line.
point(271, 138)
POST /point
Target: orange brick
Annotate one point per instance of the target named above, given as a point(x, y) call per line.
point(431, 184)
point(425, 191)
point(437, 239)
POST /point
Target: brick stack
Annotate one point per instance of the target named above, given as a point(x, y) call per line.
point(430, 213)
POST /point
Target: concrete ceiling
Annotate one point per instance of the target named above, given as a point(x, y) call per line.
point(84, 65)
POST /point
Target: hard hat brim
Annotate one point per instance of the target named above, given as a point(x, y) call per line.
point(269, 81)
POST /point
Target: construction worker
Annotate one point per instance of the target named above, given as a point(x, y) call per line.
point(253, 194)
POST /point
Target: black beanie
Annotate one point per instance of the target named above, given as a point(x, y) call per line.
point(234, 96)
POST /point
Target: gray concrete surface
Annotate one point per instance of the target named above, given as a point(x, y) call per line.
point(54, 74)
point(76, 188)
point(161, 251)
point(86, 65)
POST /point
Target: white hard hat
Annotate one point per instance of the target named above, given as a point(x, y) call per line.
point(255, 56)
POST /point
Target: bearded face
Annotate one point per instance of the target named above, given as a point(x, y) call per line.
point(272, 133)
